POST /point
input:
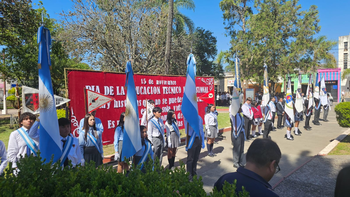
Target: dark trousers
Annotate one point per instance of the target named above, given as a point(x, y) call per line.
point(267, 128)
point(192, 157)
point(325, 113)
point(317, 115)
point(158, 146)
point(247, 126)
point(307, 121)
point(238, 148)
point(273, 118)
point(279, 121)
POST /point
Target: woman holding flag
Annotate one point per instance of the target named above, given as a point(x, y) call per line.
point(90, 141)
point(211, 128)
point(173, 136)
point(118, 144)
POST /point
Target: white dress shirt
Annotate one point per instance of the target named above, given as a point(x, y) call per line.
point(17, 147)
point(74, 154)
point(247, 111)
point(210, 120)
point(3, 157)
point(152, 130)
point(272, 106)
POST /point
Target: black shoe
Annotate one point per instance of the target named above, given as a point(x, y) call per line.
point(297, 134)
point(290, 138)
point(299, 131)
point(316, 123)
point(236, 165)
point(211, 155)
point(325, 120)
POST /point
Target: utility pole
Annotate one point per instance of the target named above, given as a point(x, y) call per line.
point(4, 110)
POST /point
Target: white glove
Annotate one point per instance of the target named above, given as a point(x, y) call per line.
point(116, 156)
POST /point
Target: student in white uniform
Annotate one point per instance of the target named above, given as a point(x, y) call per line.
point(211, 128)
point(70, 145)
point(248, 117)
point(155, 134)
point(173, 136)
point(3, 158)
point(273, 111)
point(24, 141)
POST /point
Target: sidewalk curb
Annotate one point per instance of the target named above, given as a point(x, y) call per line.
point(323, 152)
point(334, 143)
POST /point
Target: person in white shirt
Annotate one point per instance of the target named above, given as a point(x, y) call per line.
point(273, 110)
point(248, 116)
point(24, 141)
point(70, 145)
point(3, 157)
point(148, 113)
point(211, 128)
point(155, 133)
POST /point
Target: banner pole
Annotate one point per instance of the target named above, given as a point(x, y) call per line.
point(236, 123)
point(85, 101)
point(187, 136)
point(146, 113)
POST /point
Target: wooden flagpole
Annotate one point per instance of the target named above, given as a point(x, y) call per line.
point(187, 136)
point(85, 102)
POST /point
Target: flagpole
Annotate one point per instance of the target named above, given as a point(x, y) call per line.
point(85, 102)
point(146, 112)
point(236, 123)
point(188, 137)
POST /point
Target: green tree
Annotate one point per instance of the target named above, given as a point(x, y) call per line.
point(204, 49)
point(18, 35)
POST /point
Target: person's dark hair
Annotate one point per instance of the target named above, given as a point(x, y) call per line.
point(169, 117)
point(63, 122)
point(262, 151)
point(259, 102)
point(280, 98)
point(157, 109)
point(121, 121)
point(141, 129)
point(151, 101)
point(253, 103)
point(342, 185)
point(249, 99)
point(209, 107)
point(26, 115)
point(86, 125)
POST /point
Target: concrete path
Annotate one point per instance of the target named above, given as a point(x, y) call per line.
point(294, 153)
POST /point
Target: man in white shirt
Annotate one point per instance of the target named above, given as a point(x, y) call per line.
point(248, 116)
point(155, 132)
point(70, 147)
point(148, 113)
point(98, 123)
point(19, 147)
point(273, 110)
point(3, 157)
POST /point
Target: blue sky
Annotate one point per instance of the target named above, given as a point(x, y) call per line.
point(333, 17)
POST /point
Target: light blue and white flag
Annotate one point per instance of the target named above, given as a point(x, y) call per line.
point(317, 88)
point(266, 93)
point(235, 102)
point(189, 105)
point(299, 99)
point(132, 137)
point(49, 143)
point(237, 82)
point(309, 93)
point(289, 108)
point(323, 92)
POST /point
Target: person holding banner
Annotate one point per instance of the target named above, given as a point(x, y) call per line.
point(155, 134)
point(98, 123)
point(273, 110)
point(118, 144)
point(326, 109)
point(280, 112)
point(193, 147)
point(147, 114)
point(268, 124)
point(142, 156)
point(237, 138)
point(173, 136)
point(308, 113)
point(211, 128)
point(90, 141)
point(70, 145)
point(24, 141)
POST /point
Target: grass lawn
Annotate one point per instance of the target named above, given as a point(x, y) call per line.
point(343, 148)
point(5, 132)
point(221, 107)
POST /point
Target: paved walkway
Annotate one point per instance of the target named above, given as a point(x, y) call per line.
point(294, 153)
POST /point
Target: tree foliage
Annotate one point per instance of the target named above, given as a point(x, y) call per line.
point(280, 34)
point(18, 34)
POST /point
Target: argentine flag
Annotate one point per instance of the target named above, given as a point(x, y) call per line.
point(132, 136)
point(317, 88)
point(189, 105)
point(309, 93)
point(299, 99)
point(266, 93)
point(323, 92)
point(237, 82)
point(49, 143)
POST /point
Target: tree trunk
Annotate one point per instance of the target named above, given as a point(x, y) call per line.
point(168, 36)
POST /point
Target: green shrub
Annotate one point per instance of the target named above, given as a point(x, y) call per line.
point(39, 179)
point(61, 113)
point(343, 114)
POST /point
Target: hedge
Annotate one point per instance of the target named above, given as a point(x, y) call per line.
point(39, 179)
point(342, 111)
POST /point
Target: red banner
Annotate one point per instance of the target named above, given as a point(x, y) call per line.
point(166, 91)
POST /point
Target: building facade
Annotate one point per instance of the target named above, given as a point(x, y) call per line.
point(343, 60)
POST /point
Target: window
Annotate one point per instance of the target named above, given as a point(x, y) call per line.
point(345, 46)
point(345, 60)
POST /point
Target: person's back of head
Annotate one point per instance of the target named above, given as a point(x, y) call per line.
point(263, 157)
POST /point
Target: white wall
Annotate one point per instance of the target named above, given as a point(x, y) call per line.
point(341, 51)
